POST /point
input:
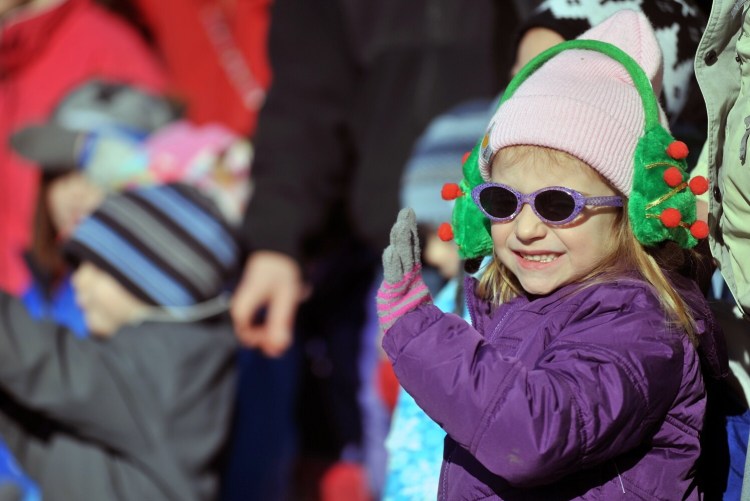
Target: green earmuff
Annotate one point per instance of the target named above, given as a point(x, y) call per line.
point(662, 201)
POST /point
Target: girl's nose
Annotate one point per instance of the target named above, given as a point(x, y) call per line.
point(528, 226)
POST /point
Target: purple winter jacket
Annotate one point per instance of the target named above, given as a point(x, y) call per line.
point(582, 394)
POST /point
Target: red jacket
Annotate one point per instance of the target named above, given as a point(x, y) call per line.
point(42, 58)
point(215, 52)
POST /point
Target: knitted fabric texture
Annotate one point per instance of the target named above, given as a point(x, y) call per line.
point(593, 99)
point(395, 300)
point(402, 288)
point(584, 103)
point(166, 244)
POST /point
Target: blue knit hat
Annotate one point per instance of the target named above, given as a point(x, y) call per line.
point(435, 157)
point(166, 244)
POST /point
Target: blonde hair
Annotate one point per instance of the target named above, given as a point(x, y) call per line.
point(498, 284)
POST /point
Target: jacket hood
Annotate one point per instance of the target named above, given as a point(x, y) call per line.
point(22, 37)
point(711, 348)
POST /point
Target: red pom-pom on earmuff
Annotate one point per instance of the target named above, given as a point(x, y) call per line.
point(672, 176)
point(465, 157)
point(670, 218)
point(677, 150)
point(698, 185)
point(450, 191)
point(445, 232)
point(699, 229)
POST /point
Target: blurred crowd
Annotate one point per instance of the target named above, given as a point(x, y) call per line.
point(194, 199)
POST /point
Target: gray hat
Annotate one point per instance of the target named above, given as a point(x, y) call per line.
point(101, 104)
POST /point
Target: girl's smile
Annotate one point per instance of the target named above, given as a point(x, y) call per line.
point(537, 261)
point(544, 257)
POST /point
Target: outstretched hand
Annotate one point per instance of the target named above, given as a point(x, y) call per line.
point(402, 289)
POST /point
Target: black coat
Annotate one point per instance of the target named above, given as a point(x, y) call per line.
point(354, 84)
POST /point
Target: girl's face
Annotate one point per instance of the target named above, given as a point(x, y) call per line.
point(545, 257)
point(70, 198)
point(106, 304)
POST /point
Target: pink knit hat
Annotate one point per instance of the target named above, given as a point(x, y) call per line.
point(584, 103)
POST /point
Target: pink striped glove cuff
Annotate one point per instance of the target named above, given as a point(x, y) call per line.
point(394, 300)
point(402, 289)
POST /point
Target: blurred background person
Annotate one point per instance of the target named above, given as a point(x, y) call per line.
point(215, 54)
point(67, 192)
point(141, 409)
point(354, 84)
point(46, 48)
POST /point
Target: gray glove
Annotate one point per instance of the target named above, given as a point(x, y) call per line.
point(402, 289)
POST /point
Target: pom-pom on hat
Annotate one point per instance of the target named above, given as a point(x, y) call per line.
point(166, 244)
point(594, 98)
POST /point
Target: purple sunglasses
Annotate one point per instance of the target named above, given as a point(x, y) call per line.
point(553, 205)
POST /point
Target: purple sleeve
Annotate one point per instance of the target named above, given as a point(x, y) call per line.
point(597, 390)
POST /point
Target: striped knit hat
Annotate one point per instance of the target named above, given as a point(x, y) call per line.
point(166, 244)
point(435, 156)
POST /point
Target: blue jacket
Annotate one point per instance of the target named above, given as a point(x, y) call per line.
point(582, 394)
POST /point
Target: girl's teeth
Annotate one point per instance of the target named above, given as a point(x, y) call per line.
point(541, 258)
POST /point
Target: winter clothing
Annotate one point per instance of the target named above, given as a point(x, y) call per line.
point(42, 57)
point(415, 442)
point(354, 85)
point(584, 103)
point(583, 394)
point(721, 67)
point(721, 72)
point(116, 157)
point(216, 55)
point(635, 152)
point(403, 288)
point(587, 392)
point(166, 244)
point(141, 415)
point(55, 304)
point(678, 25)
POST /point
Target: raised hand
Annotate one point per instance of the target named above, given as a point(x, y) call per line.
point(402, 289)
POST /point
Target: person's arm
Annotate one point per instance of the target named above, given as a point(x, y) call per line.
point(264, 304)
point(300, 165)
point(120, 400)
point(581, 403)
point(48, 370)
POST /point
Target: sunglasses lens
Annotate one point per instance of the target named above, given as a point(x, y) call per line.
point(498, 202)
point(554, 205)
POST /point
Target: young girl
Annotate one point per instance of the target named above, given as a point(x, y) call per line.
point(579, 377)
